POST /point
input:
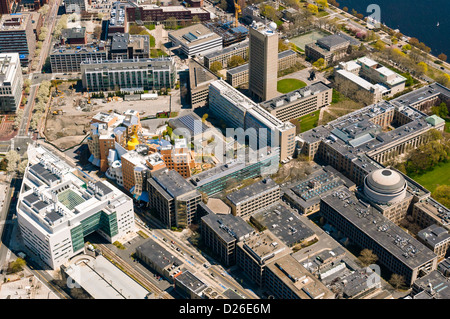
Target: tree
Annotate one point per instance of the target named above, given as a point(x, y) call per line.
point(397, 281)
point(423, 67)
point(196, 19)
point(442, 57)
point(441, 110)
point(22, 166)
point(313, 8)
point(12, 157)
point(345, 9)
point(171, 22)
point(443, 79)
point(320, 63)
point(379, 45)
point(406, 47)
point(215, 67)
point(204, 117)
point(17, 265)
point(235, 61)
point(204, 197)
point(100, 16)
point(367, 257)
point(442, 195)
point(322, 3)
point(269, 12)
point(97, 32)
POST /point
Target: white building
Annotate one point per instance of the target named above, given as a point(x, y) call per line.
point(196, 40)
point(59, 205)
point(11, 82)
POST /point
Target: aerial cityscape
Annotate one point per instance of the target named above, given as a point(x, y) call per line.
point(233, 150)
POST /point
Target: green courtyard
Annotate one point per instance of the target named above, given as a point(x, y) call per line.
point(289, 85)
point(309, 121)
point(432, 179)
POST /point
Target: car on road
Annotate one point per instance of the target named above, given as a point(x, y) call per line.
point(192, 256)
point(178, 249)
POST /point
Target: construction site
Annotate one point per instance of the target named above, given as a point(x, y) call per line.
point(70, 112)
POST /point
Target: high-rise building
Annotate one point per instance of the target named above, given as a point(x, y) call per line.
point(58, 207)
point(5, 6)
point(10, 82)
point(263, 61)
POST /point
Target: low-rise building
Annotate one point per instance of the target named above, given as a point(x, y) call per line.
point(196, 40)
point(436, 238)
point(67, 58)
point(154, 13)
point(75, 6)
point(189, 286)
point(223, 56)
point(330, 48)
point(248, 200)
point(199, 80)
point(432, 286)
point(300, 102)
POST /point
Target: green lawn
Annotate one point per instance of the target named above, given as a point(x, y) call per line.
point(289, 85)
point(338, 97)
point(447, 125)
point(152, 41)
point(438, 176)
point(309, 121)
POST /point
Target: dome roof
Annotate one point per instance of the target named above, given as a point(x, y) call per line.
point(385, 181)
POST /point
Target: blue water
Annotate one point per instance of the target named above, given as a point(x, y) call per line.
point(413, 18)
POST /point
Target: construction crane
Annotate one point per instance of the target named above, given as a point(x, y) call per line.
point(237, 10)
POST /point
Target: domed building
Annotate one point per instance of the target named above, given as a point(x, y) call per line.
point(385, 186)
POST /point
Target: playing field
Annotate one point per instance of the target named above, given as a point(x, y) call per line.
point(289, 85)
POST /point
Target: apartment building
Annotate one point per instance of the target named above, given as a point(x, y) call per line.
point(11, 82)
point(16, 35)
point(59, 206)
point(300, 102)
point(248, 200)
point(221, 233)
point(138, 74)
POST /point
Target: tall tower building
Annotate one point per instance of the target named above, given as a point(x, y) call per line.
point(6, 6)
point(263, 61)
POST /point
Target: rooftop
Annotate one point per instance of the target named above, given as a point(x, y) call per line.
point(255, 190)
point(158, 254)
point(332, 41)
point(228, 227)
point(433, 286)
point(434, 235)
point(199, 75)
point(284, 224)
point(264, 246)
point(191, 282)
point(194, 35)
point(173, 183)
point(376, 226)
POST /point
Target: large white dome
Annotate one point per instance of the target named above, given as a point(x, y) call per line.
point(385, 186)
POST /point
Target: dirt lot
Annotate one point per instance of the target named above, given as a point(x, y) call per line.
point(69, 116)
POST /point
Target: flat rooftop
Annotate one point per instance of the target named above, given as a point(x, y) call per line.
point(283, 223)
point(434, 235)
point(376, 226)
point(173, 183)
point(264, 246)
point(434, 285)
point(228, 227)
point(158, 254)
point(191, 282)
point(199, 75)
point(231, 48)
point(252, 191)
point(194, 35)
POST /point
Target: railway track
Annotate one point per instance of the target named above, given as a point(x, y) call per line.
point(147, 284)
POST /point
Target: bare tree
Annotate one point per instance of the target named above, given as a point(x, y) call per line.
point(367, 257)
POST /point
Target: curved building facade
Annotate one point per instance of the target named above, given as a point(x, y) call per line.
point(385, 186)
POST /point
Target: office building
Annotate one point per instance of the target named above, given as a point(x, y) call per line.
point(367, 81)
point(118, 21)
point(223, 56)
point(67, 58)
point(263, 57)
point(366, 227)
point(159, 259)
point(196, 40)
point(11, 82)
point(215, 180)
point(179, 157)
point(173, 198)
point(126, 46)
point(330, 48)
point(16, 35)
point(238, 111)
point(6, 6)
point(432, 286)
point(286, 278)
point(300, 102)
point(191, 125)
point(240, 75)
point(255, 253)
point(75, 6)
point(221, 233)
point(283, 224)
point(58, 206)
point(189, 286)
point(305, 195)
point(154, 13)
point(133, 74)
point(357, 143)
point(436, 238)
point(230, 34)
point(199, 80)
point(248, 200)
point(430, 212)
point(75, 35)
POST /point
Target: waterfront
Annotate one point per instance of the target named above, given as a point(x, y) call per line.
point(417, 19)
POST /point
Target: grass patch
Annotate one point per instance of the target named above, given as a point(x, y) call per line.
point(435, 177)
point(118, 245)
point(150, 26)
point(142, 234)
point(309, 121)
point(156, 53)
point(289, 85)
point(338, 97)
point(152, 41)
